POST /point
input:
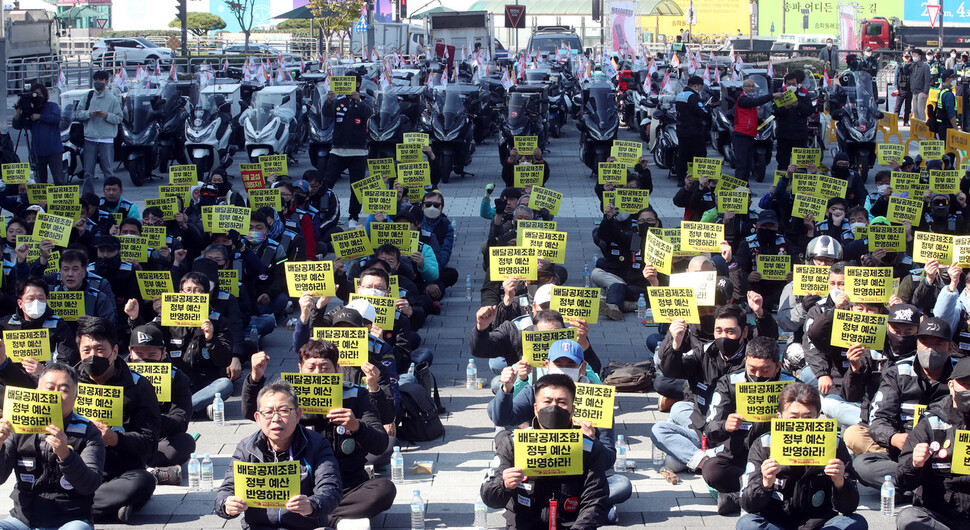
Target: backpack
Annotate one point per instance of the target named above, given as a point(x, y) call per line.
point(629, 377)
point(424, 377)
point(76, 134)
point(419, 415)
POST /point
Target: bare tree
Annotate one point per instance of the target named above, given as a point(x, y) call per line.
point(242, 10)
point(334, 17)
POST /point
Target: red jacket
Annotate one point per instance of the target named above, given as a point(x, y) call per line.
point(746, 113)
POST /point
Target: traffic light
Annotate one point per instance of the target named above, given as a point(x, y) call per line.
point(183, 11)
point(596, 10)
point(403, 9)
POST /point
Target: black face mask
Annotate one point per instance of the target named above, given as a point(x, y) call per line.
point(554, 417)
point(707, 324)
point(110, 205)
point(95, 366)
point(939, 211)
point(642, 229)
point(840, 172)
point(105, 266)
point(222, 188)
point(728, 347)
point(766, 236)
point(901, 346)
point(963, 402)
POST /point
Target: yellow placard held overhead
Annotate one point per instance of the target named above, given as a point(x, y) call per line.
point(808, 205)
point(317, 393)
point(890, 238)
point(733, 200)
point(806, 156)
point(37, 192)
point(259, 198)
point(788, 97)
point(901, 210)
point(803, 442)
point(408, 152)
point(658, 252)
point(890, 153)
point(350, 342)
point(529, 224)
point(594, 403)
point(373, 182)
point(525, 145)
point(102, 403)
point(183, 175)
point(576, 302)
point(252, 176)
point(632, 200)
point(382, 167)
point(774, 267)
point(707, 167)
point(528, 175)
point(758, 402)
point(28, 344)
point(805, 184)
point(274, 165)
point(810, 279)
point(869, 284)
point(30, 411)
point(68, 305)
point(314, 277)
point(545, 198)
point(960, 464)
point(961, 250)
point(849, 328)
point(704, 284)
point(929, 246)
point(184, 309)
point(383, 307)
point(535, 344)
point(71, 211)
point(343, 85)
point(627, 152)
point(673, 303)
point(701, 237)
point(828, 187)
point(16, 172)
point(64, 194)
point(416, 138)
point(53, 227)
point(902, 181)
point(160, 375)
point(414, 174)
point(520, 262)
point(945, 181)
point(614, 172)
point(549, 452)
point(156, 236)
point(931, 149)
point(352, 244)
point(379, 201)
point(220, 219)
point(269, 485)
point(182, 193)
point(397, 234)
point(548, 243)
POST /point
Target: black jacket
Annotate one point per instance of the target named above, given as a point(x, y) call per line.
point(202, 360)
point(350, 127)
point(622, 249)
point(62, 339)
point(723, 404)
point(692, 115)
point(792, 122)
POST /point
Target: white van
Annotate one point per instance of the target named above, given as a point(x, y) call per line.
point(802, 42)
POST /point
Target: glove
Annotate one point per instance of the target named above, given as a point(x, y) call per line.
point(810, 300)
point(489, 189)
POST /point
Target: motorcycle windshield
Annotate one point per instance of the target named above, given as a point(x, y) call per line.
point(601, 103)
point(518, 110)
point(863, 104)
point(206, 108)
point(389, 110)
point(262, 114)
point(138, 110)
point(452, 110)
point(67, 116)
point(811, 85)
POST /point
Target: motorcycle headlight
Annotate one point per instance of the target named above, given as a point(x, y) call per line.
point(316, 135)
point(198, 136)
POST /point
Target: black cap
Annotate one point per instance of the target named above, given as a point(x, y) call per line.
point(904, 314)
point(962, 369)
point(767, 216)
point(111, 242)
point(934, 327)
point(907, 160)
point(146, 335)
point(948, 73)
point(207, 267)
point(346, 315)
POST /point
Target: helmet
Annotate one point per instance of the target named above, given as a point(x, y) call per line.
point(824, 247)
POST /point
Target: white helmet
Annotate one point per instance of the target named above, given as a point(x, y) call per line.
point(824, 247)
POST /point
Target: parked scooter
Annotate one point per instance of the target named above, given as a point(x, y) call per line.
point(396, 112)
point(69, 101)
point(527, 109)
point(598, 124)
point(855, 110)
point(320, 129)
point(273, 123)
point(209, 132)
point(451, 127)
point(176, 99)
point(140, 130)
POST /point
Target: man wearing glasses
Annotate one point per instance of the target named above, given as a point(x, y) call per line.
point(435, 223)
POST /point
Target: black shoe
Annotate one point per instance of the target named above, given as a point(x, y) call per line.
point(728, 504)
point(124, 513)
point(167, 476)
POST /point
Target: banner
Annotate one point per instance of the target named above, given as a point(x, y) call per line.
point(549, 452)
point(623, 28)
point(803, 442)
point(269, 485)
point(317, 393)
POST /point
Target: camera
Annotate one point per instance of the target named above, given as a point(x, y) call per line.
point(26, 98)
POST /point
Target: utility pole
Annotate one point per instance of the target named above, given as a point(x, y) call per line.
point(940, 22)
point(3, 67)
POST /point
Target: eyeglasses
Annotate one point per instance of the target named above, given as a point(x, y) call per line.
point(270, 414)
point(429, 204)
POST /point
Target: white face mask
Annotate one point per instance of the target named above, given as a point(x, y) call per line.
point(622, 216)
point(828, 45)
point(834, 294)
point(371, 292)
point(35, 309)
point(882, 188)
point(572, 373)
point(432, 213)
point(856, 226)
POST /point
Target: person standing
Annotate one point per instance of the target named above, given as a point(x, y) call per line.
point(946, 107)
point(904, 95)
point(919, 84)
point(746, 126)
point(830, 56)
point(100, 112)
point(350, 142)
point(792, 128)
point(43, 120)
point(692, 119)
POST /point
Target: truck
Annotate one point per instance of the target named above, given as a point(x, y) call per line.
point(389, 37)
point(32, 48)
point(881, 33)
point(466, 30)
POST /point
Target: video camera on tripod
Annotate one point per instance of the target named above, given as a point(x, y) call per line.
point(26, 99)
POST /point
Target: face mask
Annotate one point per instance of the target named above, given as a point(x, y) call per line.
point(573, 373)
point(643, 229)
point(930, 359)
point(901, 345)
point(758, 378)
point(107, 265)
point(707, 324)
point(371, 292)
point(554, 417)
point(257, 237)
point(99, 86)
point(856, 226)
point(840, 172)
point(728, 347)
point(882, 188)
point(212, 285)
point(867, 55)
point(622, 217)
point(939, 210)
point(829, 46)
point(766, 236)
point(35, 309)
point(834, 293)
point(953, 83)
point(963, 402)
point(432, 213)
point(95, 366)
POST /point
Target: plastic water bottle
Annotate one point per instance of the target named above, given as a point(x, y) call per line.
point(586, 281)
point(641, 307)
point(195, 473)
point(411, 370)
point(658, 456)
point(205, 484)
point(596, 258)
point(471, 375)
point(218, 410)
point(620, 465)
point(888, 496)
point(481, 514)
point(417, 511)
point(254, 335)
point(468, 287)
point(397, 466)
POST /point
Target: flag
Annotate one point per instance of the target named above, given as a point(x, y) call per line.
point(429, 81)
point(691, 65)
point(665, 86)
point(225, 64)
point(62, 79)
point(707, 75)
point(653, 68)
point(675, 61)
point(446, 53)
point(506, 82)
point(320, 59)
point(717, 76)
point(771, 69)
point(444, 78)
point(825, 78)
point(158, 72)
point(140, 74)
point(731, 55)
point(302, 64)
point(462, 58)
point(739, 65)
point(326, 85)
point(734, 75)
point(121, 78)
point(172, 73)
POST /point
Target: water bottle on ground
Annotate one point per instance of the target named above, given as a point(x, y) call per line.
point(397, 466)
point(586, 280)
point(641, 307)
point(254, 336)
point(658, 456)
point(195, 473)
point(218, 410)
point(620, 465)
point(481, 514)
point(468, 287)
point(417, 511)
point(471, 375)
point(205, 484)
point(888, 496)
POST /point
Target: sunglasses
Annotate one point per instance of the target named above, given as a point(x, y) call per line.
point(429, 204)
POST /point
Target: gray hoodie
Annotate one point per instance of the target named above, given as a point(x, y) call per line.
point(100, 128)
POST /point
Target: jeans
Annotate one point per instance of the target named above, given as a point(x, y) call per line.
point(602, 279)
point(904, 97)
point(808, 377)
point(97, 153)
point(675, 436)
point(855, 521)
point(265, 324)
point(919, 518)
point(919, 107)
point(12, 523)
point(846, 412)
point(56, 166)
point(653, 342)
point(619, 292)
point(275, 306)
point(497, 364)
point(205, 395)
point(621, 489)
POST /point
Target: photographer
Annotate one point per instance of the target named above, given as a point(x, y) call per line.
point(42, 118)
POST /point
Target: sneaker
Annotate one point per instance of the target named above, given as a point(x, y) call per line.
point(667, 403)
point(629, 306)
point(124, 513)
point(612, 517)
point(611, 311)
point(728, 504)
point(208, 412)
point(673, 465)
point(167, 476)
point(352, 224)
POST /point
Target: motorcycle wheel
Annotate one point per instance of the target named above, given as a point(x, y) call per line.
point(163, 159)
point(729, 155)
point(645, 133)
point(759, 165)
point(445, 164)
point(136, 171)
point(658, 157)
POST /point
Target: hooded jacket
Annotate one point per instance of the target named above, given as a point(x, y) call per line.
point(723, 404)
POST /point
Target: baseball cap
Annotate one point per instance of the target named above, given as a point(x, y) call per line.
point(347, 315)
point(948, 73)
point(904, 314)
point(934, 327)
point(566, 348)
point(111, 242)
point(962, 369)
point(146, 335)
point(364, 309)
point(543, 294)
point(767, 216)
point(302, 185)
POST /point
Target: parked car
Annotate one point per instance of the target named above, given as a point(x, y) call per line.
point(134, 50)
point(259, 48)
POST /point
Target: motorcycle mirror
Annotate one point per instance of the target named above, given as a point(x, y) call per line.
point(881, 101)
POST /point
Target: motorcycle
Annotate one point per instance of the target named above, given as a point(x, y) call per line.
point(527, 108)
point(210, 130)
point(274, 124)
point(176, 98)
point(853, 106)
point(71, 159)
point(598, 124)
point(140, 131)
point(320, 129)
point(816, 126)
point(722, 119)
point(451, 127)
point(395, 113)
point(663, 127)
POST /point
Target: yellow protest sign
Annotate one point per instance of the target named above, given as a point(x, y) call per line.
point(902, 210)
point(274, 165)
point(379, 201)
point(931, 149)
point(134, 247)
point(809, 205)
point(891, 238)
point(807, 442)
point(229, 281)
point(594, 403)
point(609, 197)
point(525, 145)
point(31, 411)
point(945, 181)
point(729, 183)
point(512, 261)
point(262, 197)
point(53, 262)
point(549, 452)
point(408, 152)
point(37, 192)
point(397, 234)
point(902, 181)
point(704, 284)
point(535, 344)
point(828, 187)
point(961, 250)
point(929, 246)
point(28, 344)
point(352, 244)
point(549, 244)
point(314, 277)
point(63, 194)
point(869, 284)
point(317, 393)
point(184, 175)
point(849, 328)
point(252, 176)
point(631, 200)
point(393, 287)
point(701, 237)
point(918, 411)
point(576, 302)
point(758, 402)
point(672, 236)
point(778, 176)
point(614, 172)
point(155, 235)
point(545, 198)
point(960, 464)
point(184, 310)
point(673, 303)
point(71, 211)
point(804, 184)
point(774, 267)
point(182, 193)
point(733, 200)
point(223, 218)
point(707, 167)
point(16, 172)
point(383, 306)
point(890, 153)
point(152, 284)
point(68, 305)
point(626, 152)
point(53, 227)
point(367, 183)
point(342, 85)
point(416, 138)
point(658, 252)
point(350, 342)
point(414, 174)
point(102, 403)
point(810, 279)
point(788, 97)
point(529, 224)
point(382, 167)
point(806, 156)
point(160, 375)
point(528, 175)
point(269, 485)
point(33, 246)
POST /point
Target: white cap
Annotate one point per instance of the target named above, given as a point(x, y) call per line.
point(365, 308)
point(543, 294)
